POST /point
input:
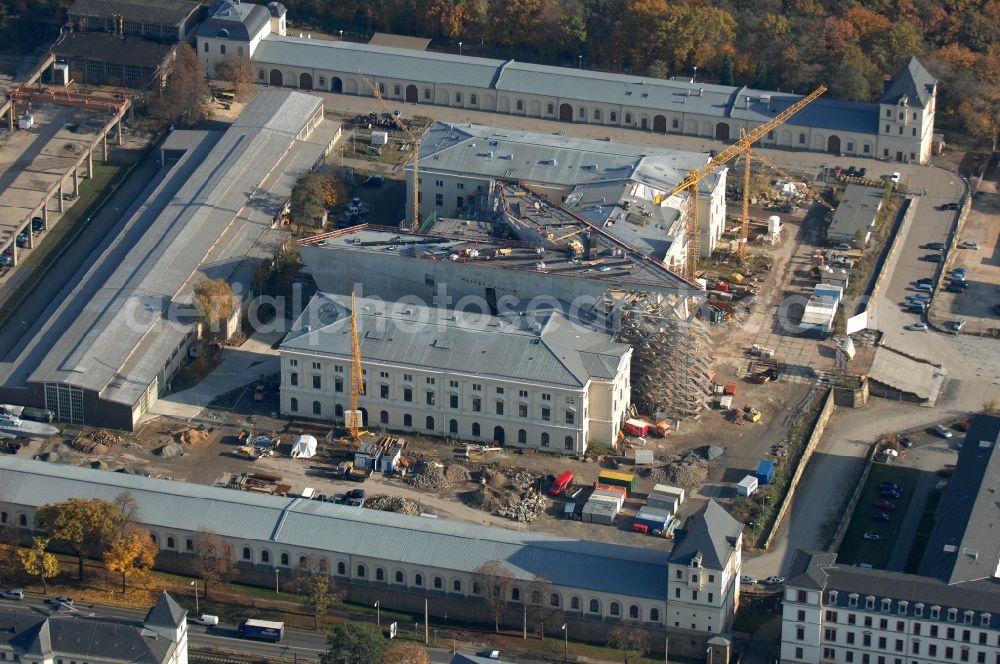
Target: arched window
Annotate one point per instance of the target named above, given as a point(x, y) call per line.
point(399, 577)
point(341, 568)
point(361, 571)
point(574, 603)
point(427, 93)
point(633, 612)
point(515, 595)
point(438, 583)
point(322, 80)
point(475, 588)
point(456, 586)
point(338, 410)
point(554, 599)
point(582, 113)
point(536, 597)
point(152, 536)
point(293, 404)
point(246, 553)
point(615, 609)
point(407, 420)
point(458, 97)
point(22, 520)
point(654, 615)
point(189, 544)
point(429, 423)
point(284, 559)
point(260, 74)
point(614, 116)
point(473, 99)
point(170, 543)
point(206, 47)
point(379, 574)
point(475, 429)
point(597, 114)
point(628, 118)
point(551, 109)
point(520, 104)
point(265, 556)
point(303, 562)
point(418, 580)
point(453, 426)
point(322, 566)
point(317, 408)
point(383, 417)
point(395, 90)
point(545, 439)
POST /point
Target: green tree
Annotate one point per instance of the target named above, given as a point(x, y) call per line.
point(726, 73)
point(39, 562)
point(658, 69)
point(355, 643)
point(85, 526)
point(307, 201)
point(760, 76)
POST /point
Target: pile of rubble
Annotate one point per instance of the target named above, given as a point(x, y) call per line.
point(526, 507)
point(393, 504)
point(519, 479)
point(104, 437)
point(192, 436)
point(487, 499)
point(88, 446)
point(493, 478)
point(687, 470)
point(169, 450)
point(429, 476)
point(456, 474)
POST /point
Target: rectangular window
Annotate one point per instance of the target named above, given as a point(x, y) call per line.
point(452, 383)
point(802, 596)
point(546, 414)
point(383, 374)
point(711, 597)
point(570, 417)
point(317, 382)
point(882, 643)
point(316, 366)
point(932, 650)
point(866, 149)
point(476, 387)
point(384, 391)
point(338, 384)
point(850, 638)
point(430, 381)
point(460, 185)
point(694, 595)
point(801, 615)
point(407, 394)
point(439, 199)
point(887, 129)
point(849, 656)
point(337, 368)
point(800, 633)
point(499, 407)
point(293, 378)
point(408, 378)
point(522, 410)
point(477, 405)
point(546, 397)
point(438, 183)
point(453, 401)
point(798, 653)
point(431, 399)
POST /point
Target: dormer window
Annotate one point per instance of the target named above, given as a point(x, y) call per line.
point(935, 612)
point(831, 597)
point(223, 34)
point(869, 602)
point(968, 616)
point(918, 610)
point(886, 604)
point(852, 600)
point(952, 615)
point(901, 607)
point(984, 620)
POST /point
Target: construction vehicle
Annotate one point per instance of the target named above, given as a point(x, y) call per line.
point(751, 414)
point(575, 247)
point(690, 183)
point(414, 153)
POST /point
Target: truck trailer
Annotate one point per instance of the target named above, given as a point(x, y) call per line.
point(262, 630)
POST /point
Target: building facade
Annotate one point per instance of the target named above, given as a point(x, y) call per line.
point(236, 28)
point(541, 383)
point(167, 21)
point(899, 127)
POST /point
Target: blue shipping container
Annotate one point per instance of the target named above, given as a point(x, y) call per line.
point(765, 472)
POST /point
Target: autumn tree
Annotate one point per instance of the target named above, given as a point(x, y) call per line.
point(406, 652)
point(307, 201)
point(237, 70)
point(131, 552)
point(628, 637)
point(497, 580)
point(85, 526)
point(214, 559)
point(215, 303)
point(320, 596)
point(39, 562)
point(182, 100)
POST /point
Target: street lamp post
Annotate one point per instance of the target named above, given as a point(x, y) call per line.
point(666, 650)
point(341, 35)
point(378, 615)
point(195, 584)
point(708, 651)
point(276, 570)
point(580, 57)
point(565, 643)
point(460, 48)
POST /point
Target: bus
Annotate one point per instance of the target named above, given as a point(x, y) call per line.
point(262, 630)
point(561, 483)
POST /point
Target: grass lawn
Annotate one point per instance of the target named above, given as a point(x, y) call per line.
point(73, 222)
point(855, 549)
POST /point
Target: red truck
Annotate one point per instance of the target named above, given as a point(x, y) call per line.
point(561, 483)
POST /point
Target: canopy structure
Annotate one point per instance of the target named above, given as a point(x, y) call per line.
point(304, 447)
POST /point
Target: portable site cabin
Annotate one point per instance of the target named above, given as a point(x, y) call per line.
point(746, 486)
point(387, 463)
point(626, 480)
point(765, 472)
point(600, 512)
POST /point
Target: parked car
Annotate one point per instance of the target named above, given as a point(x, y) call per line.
point(942, 431)
point(37, 224)
point(890, 493)
point(892, 485)
point(748, 580)
point(355, 497)
point(774, 580)
point(948, 206)
point(907, 443)
point(924, 288)
point(957, 272)
point(957, 325)
point(926, 297)
point(13, 593)
point(934, 246)
point(59, 601)
point(917, 327)
point(968, 245)
point(916, 308)
point(932, 258)
point(894, 178)
point(925, 280)
point(872, 537)
point(880, 516)
point(23, 239)
point(851, 172)
point(883, 504)
point(862, 172)
point(205, 619)
point(954, 288)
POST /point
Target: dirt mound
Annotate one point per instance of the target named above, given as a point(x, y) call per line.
point(429, 476)
point(169, 450)
point(393, 504)
point(457, 473)
point(88, 446)
point(192, 437)
point(487, 499)
point(494, 478)
point(687, 470)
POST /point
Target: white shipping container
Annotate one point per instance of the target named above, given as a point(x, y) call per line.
point(380, 138)
point(746, 486)
point(644, 457)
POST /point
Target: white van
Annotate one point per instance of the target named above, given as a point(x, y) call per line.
point(13, 593)
point(206, 619)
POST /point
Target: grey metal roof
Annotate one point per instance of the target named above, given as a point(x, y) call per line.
point(980, 596)
point(856, 211)
point(912, 82)
point(166, 612)
point(76, 635)
point(965, 543)
point(711, 533)
point(100, 47)
point(566, 84)
point(551, 159)
point(108, 332)
point(556, 352)
point(162, 12)
point(311, 524)
point(376, 61)
point(238, 20)
point(276, 9)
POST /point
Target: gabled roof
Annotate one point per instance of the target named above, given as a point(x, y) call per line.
point(239, 21)
point(912, 82)
point(545, 348)
point(35, 641)
point(165, 613)
point(711, 534)
point(808, 570)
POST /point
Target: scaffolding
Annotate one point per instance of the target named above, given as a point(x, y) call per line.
point(670, 357)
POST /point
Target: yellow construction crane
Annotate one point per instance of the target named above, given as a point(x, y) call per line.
point(354, 422)
point(690, 183)
point(414, 152)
